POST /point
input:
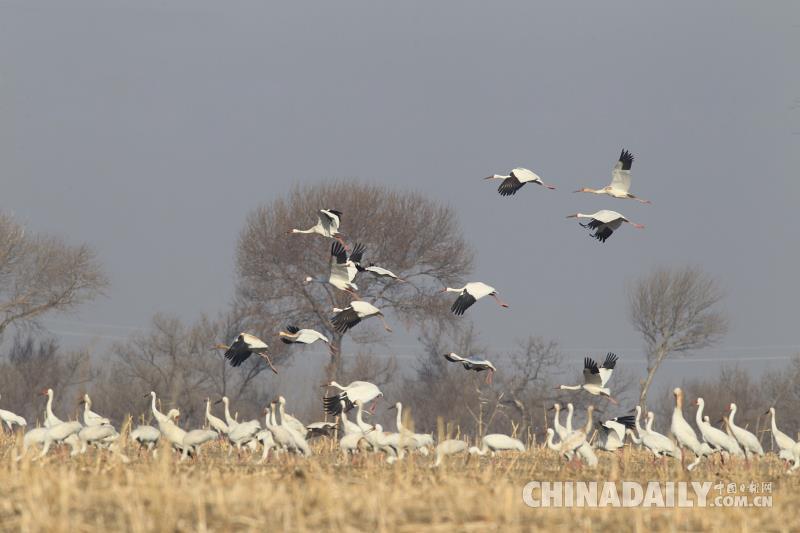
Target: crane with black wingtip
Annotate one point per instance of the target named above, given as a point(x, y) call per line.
point(620, 185)
point(515, 180)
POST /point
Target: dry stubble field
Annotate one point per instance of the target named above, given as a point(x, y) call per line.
point(98, 492)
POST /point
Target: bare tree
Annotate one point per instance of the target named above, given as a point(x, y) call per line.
point(674, 311)
point(179, 364)
point(440, 389)
point(30, 366)
point(41, 273)
point(522, 383)
point(415, 237)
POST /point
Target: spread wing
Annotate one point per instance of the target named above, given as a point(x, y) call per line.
point(602, 230)
point(330, 219)
point(338, 266)
point(453, 358)
point(358, 253)
point(608, 368)
point(603, 234)
point(462, 303)
point(238, 352)
point(345, 319)
point(509, 186)
point(619, 425)
point(332, 404)
point(591, 374)
point(621, 175)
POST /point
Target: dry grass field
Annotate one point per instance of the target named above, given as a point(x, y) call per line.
point(97, 492)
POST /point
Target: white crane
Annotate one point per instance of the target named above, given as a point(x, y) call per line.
point(10, 419)
point(217, 424)
point(376, 271)
point(714, 437)
point(341, 268)
point(243, 347)
point(683, 432)
point(288, 420)
point(620, 180)
point(266, 438)
point(381, 443)
point(170, 430)
point(784, 441)
point(604, 223)
point(327, 225)
point(90, 418)
point(51, 420)
point(282, 437)
point(367, 430)
point(296, 429)
point(229, 420)
point(358, 310)
point(97, 435)
point(568, 421)
point(471, 293)
point(404, 439)
point(33, 437)
point(576, 439)
point(515, 180)
point(146, 437)
point(549, 441)
point(194, 439)
point(60, 433)
point(448, 447)
point(497, 442)
point(295, 335)
point(356, 391)
point(243, 433)
point(746, 440)
point(158, 415)
point(352, 434)
point(469, 363)
point(350, 428)
point(595, 378)
point(660, 445)
point(562, 431)
point(422, 439)
point(611, 433)
point(585, 452)
point(349, 443)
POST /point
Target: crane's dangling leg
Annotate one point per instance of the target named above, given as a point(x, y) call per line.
point(499, 301)
point(266, 358)
point(339, 237)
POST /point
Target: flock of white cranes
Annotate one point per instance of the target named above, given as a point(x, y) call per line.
point(281, 432)
point(705, 443)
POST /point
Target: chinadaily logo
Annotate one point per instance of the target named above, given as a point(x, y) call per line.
point(557, 494)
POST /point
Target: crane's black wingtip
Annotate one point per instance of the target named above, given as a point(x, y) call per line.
point(626, 158)
point(611, 360)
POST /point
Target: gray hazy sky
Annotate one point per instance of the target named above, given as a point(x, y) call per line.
point(149, 129)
